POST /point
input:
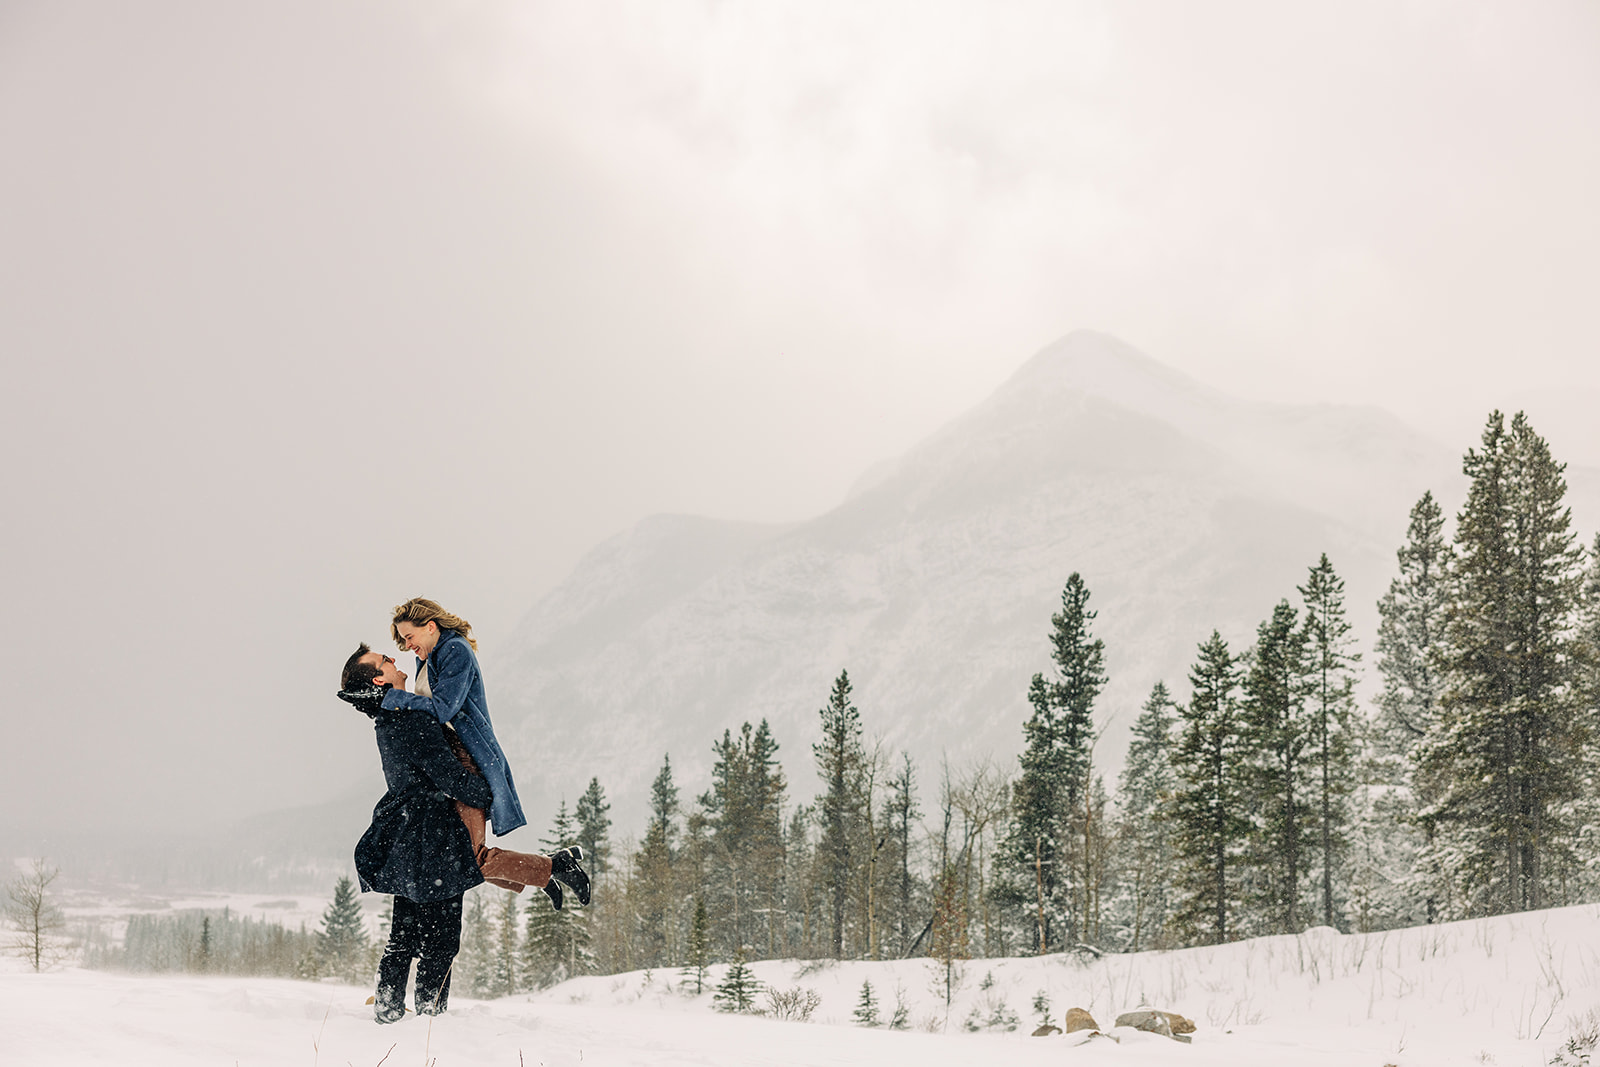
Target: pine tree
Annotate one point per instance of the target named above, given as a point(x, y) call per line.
point(739, 988)
point(1331, 670)
point(1208, 811)
point(900, 814)
point(557, 945)
point(1059, 737)
point(1278, 733)
point(1144, 792)
point(594, 828)
point(474, 966)
point(1508, 748)
point(745, 819)
point(505, 969)
point(697, 950)
point(654, 888)
point(839, 759)
point(866, 1013)
point(1410, 651)
point(342, 941)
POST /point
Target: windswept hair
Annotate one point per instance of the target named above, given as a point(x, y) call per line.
point(358, 675)
point(419, 612)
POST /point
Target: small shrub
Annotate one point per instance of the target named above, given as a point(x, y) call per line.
point(795, 1004)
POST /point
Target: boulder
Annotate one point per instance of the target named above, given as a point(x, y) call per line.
point(1151, 1022)
point(1046, 1030)
point(1078, 1019)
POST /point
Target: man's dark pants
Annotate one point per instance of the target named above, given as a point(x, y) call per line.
point(431, 934)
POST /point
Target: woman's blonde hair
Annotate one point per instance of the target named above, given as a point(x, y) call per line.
point(420, 612)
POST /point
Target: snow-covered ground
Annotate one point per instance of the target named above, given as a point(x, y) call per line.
point(1508, 991)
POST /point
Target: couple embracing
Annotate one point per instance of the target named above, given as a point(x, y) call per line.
point(448, 780)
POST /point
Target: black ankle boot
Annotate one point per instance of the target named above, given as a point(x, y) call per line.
point(564, 868)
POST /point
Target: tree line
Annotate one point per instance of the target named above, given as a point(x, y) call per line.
point(1264, 800)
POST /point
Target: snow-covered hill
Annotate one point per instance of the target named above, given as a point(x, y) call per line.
point(1509, 992)
point(934, 582)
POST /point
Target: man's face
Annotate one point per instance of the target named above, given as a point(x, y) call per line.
point(419, 639)
point(388, 673)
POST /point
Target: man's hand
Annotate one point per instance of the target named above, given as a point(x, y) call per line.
point(369, 700)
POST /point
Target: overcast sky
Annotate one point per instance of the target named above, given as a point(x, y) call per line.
point(306, 308)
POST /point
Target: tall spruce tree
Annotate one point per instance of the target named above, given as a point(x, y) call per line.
point(1410, 656)
point(697, 949)
point(593, 819)
point(839, 757)
point(342, 941)
point(900, 815)
point(474, 967)
point(744, 809)
point(1144, 792)
point(1508, 750)
point(654, 889)
point(1211, 823)
point(1331, 670)
point(1280, 787)
point(506, 970)
point(1053, 786)
point(557, 945)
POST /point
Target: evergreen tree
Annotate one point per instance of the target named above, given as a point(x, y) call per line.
point(866, 1013)
point(594, 828)
point(1411, 630)
point(899, 815)
point(342, 941)
point(697, 949)
point(474, 966)
point(1144, 792)
point(745, 818)
point(505, 970)
point(557, 944)
point(562, 830)
point(1208, 811)
point(1410, 651)
point(1508, 749)
point(654, 888)
point(1059, 737)
point(739, 988)
point(839, 757)
point(1331, 667)
point(1278, 733)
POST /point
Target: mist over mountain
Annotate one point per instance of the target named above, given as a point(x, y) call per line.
point(933, 583)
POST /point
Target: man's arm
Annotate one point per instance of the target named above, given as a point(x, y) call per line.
point(424, 745)
point(452, 677)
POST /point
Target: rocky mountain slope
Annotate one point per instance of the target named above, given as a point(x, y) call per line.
point(933, 584)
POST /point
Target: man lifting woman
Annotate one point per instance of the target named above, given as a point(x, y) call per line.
point(447, 778)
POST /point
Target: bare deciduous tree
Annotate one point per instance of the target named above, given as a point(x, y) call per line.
point(35, 917)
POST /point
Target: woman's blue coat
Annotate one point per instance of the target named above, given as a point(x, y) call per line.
point(458, 699)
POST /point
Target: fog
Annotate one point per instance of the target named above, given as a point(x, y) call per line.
point(308, 308)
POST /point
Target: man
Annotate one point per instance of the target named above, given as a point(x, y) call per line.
point(418, 848)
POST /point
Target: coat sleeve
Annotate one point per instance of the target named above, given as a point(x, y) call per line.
point(452, 678)
point(427, 751)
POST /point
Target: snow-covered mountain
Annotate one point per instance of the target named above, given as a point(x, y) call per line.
point(933, 583)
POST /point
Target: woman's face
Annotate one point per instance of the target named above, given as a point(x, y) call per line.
point(419, 639)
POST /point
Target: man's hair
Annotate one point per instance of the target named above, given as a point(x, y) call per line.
point(358, 675)
point(420, 612)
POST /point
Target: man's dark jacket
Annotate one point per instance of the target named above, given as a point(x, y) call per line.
point(417, 846)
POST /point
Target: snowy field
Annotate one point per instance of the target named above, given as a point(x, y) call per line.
point(1508, 991)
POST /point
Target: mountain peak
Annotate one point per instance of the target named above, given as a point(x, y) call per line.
point(1099, 365)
